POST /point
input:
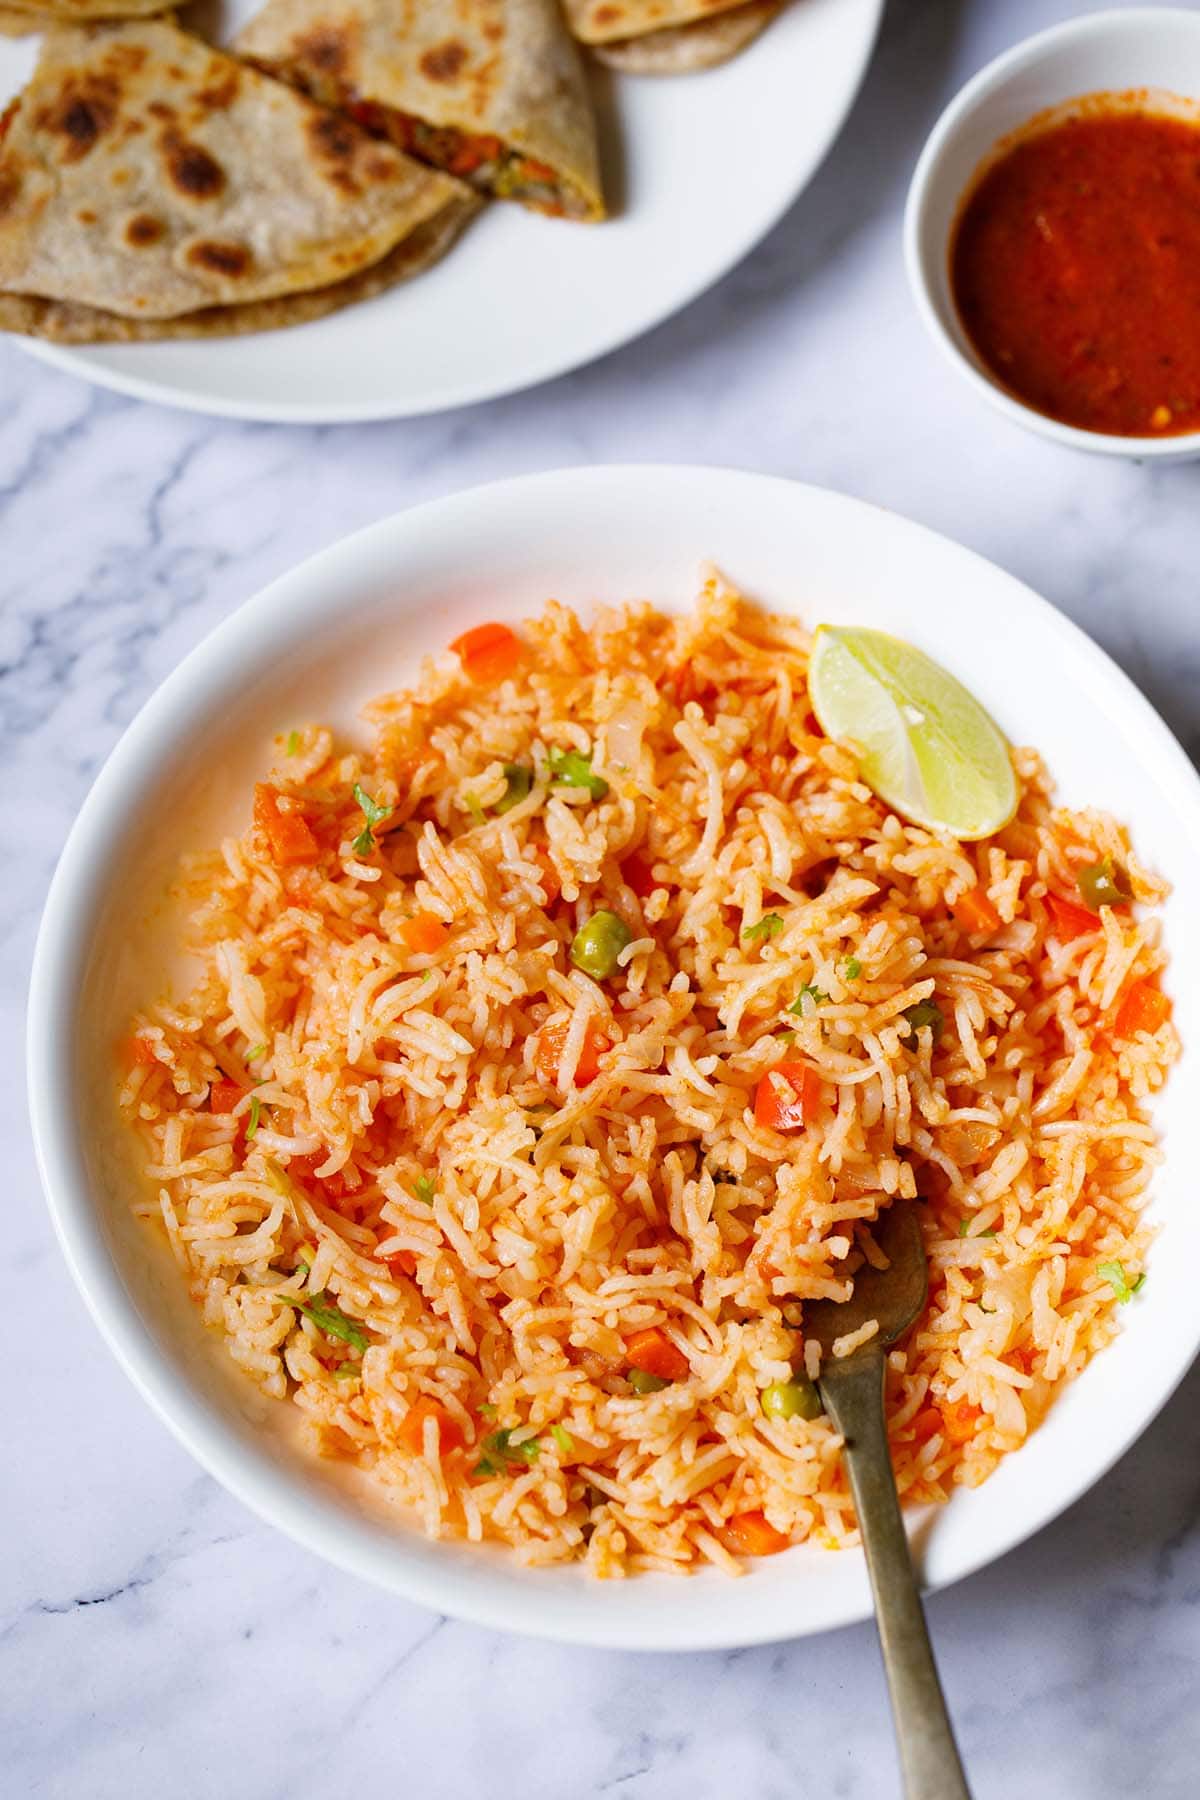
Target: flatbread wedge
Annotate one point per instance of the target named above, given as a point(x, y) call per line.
point(493, 91)
point(147, 176)
point(18, 17)
point(686, 49)
point(65, 322)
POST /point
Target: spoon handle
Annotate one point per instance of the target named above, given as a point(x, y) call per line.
point(929, 1757)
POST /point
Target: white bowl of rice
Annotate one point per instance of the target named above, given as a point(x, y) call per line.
point(469, 1265)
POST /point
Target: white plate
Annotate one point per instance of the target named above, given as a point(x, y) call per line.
point(345, 626)
point(696, 168)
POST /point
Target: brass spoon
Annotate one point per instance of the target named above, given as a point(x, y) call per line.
point(852, 1391)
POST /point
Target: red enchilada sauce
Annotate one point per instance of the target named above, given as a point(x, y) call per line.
point(1076, 270)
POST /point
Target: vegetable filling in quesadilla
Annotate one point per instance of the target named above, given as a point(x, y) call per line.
point(483, 160)
point(491, 91)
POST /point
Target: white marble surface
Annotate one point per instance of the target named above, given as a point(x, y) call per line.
point(154, 1637)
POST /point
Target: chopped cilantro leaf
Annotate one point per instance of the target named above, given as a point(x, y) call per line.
point(851, 969)
point(258, 1051)
point(255, 1113)
point(563, 1439)
point(519, 781)
point(1118, 1281)
point(293, 742)
point(965, 1230)
point(500, 1453)
point(570, 768)
point(330, 1319)
point(764, 929)
point(374, 814)
point(424, 1189)
point(347, 1371)
point(814, 996)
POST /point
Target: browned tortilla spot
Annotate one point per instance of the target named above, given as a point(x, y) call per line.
point(159, 109)
point(220, 259)
point(125, 59)
point(220, 93)
point(143, 229)
point(193, 171)
point(379, 169)
point(80, 115)
point(444, 62)
point(607, 15)
point(333, 138)
point(327, 48)
point(10, 189)
point(86, 216)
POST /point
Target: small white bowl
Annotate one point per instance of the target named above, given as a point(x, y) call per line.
point(1131, 48)
point(351, 623)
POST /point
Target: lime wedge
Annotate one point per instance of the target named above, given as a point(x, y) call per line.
point(925, 745)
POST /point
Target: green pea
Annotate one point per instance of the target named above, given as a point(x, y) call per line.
point(598, 943)
point(1104, 883)
point(643, 1382)
point(794, 1399)
point(520, 780)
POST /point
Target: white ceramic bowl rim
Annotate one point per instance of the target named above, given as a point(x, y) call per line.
point(918, 255)
point(637, 1614)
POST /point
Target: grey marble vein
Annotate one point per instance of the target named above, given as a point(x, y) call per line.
point(155, 1639)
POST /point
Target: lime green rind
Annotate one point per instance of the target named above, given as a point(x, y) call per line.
point(925, 745)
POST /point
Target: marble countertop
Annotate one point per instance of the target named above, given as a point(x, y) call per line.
point(155, 1638)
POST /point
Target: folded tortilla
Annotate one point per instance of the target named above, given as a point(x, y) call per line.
point(19, 17)
point(606, 21)
point(492, 90)
point(146, 175)
point(64, 322)
point(685, 49)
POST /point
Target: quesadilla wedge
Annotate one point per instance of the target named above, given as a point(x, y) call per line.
point(64, 322)
point(146, 175)
point(18, 17)
point(493, 91)
point(686, 49)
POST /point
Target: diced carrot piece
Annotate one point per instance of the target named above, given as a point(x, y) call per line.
point(1070, 921)
point(637, 874)
point(653, 1352)
point(288, 834)
point(334, 1187)
point(960, 1419)
point(1144, 1007)
point(223, 1096)
point(404, 1260)
point(466, 158)
point(748, 1534)
point(424, 933)
point(488, 653)
point(141, 1050)
point(787, 1097)
point(550, 1049)
point(927, 1423)
point(974, 912)
point(412, 1427)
